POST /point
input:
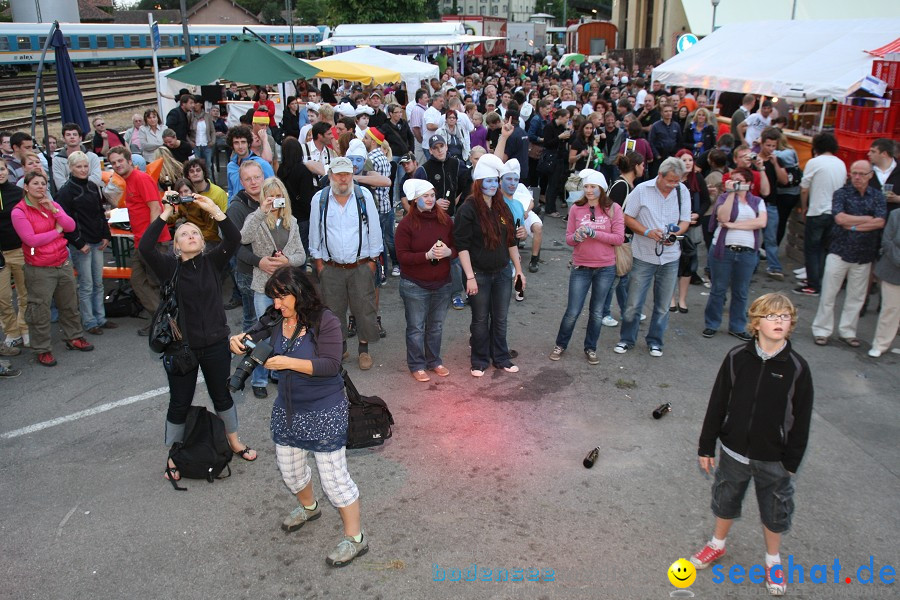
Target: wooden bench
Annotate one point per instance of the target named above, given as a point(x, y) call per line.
point(116, 272)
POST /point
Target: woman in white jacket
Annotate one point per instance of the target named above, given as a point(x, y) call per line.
point(458, 143)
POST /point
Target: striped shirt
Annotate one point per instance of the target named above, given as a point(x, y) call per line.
point(647, 204)
point(382, 166)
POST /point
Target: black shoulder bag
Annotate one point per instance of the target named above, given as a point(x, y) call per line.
point(370, 420)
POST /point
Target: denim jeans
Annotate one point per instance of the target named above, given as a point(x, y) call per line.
point(490, 307)
point(816, 239)
point(206, 153)
point(733, 271)
point(260, 303)
point(243, 281)
point(663, 278)
point(425, 313)
point(456, 279)
point(387, 235)
point(770, 239)
point(303, 226)
point(90, 285)
point(599, 281)
point(620, 289)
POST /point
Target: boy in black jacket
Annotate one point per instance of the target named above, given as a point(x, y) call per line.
point(760, 409)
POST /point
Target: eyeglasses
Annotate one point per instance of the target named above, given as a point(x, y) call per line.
point(858, 174)
point(785, 317)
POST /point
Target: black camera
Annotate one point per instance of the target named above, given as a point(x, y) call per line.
point(174, 198)
point(258, 352)
point(258, 348)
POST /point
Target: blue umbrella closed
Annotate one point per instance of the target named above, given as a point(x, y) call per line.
point(71, 102)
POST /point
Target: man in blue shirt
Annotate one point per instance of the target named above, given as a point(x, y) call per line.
point(239, 139)
point(860, 212)
point(345, 243)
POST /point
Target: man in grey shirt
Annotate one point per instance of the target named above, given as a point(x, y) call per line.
point(653, 212)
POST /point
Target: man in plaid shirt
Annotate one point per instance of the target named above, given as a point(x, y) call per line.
point(373, 140)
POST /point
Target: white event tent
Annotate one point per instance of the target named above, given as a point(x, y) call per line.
point(418, 36)
point(818, 59)
point(413, 71)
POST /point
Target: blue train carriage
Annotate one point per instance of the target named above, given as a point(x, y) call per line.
point(92, 44)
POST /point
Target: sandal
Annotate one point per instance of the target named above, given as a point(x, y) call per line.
point(243, 453)
point(821, 341)
point(852, 342)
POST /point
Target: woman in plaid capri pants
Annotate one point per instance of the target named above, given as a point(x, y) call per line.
point(311, 410)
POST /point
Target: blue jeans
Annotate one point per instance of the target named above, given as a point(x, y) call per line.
point(456, 278)
point(387, 235)
point(620, 288)
point(206, 153)
point(425, 313)
point(599, 281)
point(816, 239)
point(663, 278)
point(90, 285)
point(260, 303)
point(770, 239)
point(243, 281)
point(733, 270)
point(490, 307)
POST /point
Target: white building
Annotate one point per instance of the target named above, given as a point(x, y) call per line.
point(514, 10)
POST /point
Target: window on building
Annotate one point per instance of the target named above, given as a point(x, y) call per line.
point(648, 31)
point(482, 11)
point(494, 11)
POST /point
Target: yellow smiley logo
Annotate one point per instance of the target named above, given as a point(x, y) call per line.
point(682, 573)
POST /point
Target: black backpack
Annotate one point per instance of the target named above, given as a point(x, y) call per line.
point(369, 421)
point(204, 453)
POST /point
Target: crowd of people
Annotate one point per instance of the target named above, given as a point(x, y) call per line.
point(305, 225)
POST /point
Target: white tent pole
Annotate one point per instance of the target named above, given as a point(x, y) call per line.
point(822, 114)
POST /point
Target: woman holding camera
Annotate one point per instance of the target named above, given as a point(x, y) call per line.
point(191, 212)
point(596, 225)
point(311, 411)
point(199, 296)
point(741, 217)
point(424, 239)
point(689, 261)
point(270, 230)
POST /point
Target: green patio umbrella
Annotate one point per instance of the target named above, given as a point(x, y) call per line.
point(245, 59)
point(573, 58)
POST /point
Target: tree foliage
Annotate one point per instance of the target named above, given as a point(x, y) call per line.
point(375, 11)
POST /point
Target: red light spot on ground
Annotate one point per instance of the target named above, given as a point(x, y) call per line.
point(848, 580)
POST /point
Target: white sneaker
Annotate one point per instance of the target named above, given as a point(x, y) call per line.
point(655, 351)
point(26, 340)
point(620, 349)
point(800, 273)
point(395, 272)
point(874, 353)
point(608, 321)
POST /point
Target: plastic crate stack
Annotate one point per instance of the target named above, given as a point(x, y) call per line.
point(856, 127)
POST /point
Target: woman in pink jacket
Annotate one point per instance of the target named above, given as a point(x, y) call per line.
point(40, 224)
point(595, 225)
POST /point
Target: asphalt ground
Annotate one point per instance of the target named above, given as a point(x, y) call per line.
point(481, 474)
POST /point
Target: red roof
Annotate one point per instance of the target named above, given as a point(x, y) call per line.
point(886, 49)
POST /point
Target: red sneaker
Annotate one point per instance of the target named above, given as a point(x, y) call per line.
point(707, 556)
point(775, 586)
point(46, 359)
point(79, 344)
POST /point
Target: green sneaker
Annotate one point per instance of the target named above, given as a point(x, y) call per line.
point(347, 550)
point(299, 516)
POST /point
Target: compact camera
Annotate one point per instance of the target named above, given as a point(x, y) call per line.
point(174, 198)
point(278, 202)
point(741, 187)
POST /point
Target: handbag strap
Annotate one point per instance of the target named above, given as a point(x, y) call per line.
point(178, 318)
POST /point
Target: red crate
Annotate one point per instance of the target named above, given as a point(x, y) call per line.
point(887, 70)
point(851, 156)
point(863, 120)
point(856, 141)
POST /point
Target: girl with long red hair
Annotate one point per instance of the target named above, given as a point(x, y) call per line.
point(485, 237)
point(425, 247)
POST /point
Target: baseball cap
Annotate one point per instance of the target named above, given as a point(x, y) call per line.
point(435, 140)
point(341, 164)
point(408, 157)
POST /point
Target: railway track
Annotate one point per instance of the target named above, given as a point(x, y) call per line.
point(24, 82)
point(24, 122)
point(95, 92)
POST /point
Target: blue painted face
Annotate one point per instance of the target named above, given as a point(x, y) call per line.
point(509, 183)
point(358, 163)
point(490, 185)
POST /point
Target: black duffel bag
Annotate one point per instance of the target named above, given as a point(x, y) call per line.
point(370, 420)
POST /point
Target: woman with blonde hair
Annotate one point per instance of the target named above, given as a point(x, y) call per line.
point(171, 170)
point(272, 231)
point(699, 133)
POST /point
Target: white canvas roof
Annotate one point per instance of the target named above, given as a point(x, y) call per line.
point(699, 12)
point(794, 59)
point(413, 71)
point(447, 33)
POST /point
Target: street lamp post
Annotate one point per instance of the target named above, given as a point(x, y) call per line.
point(715, 5)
